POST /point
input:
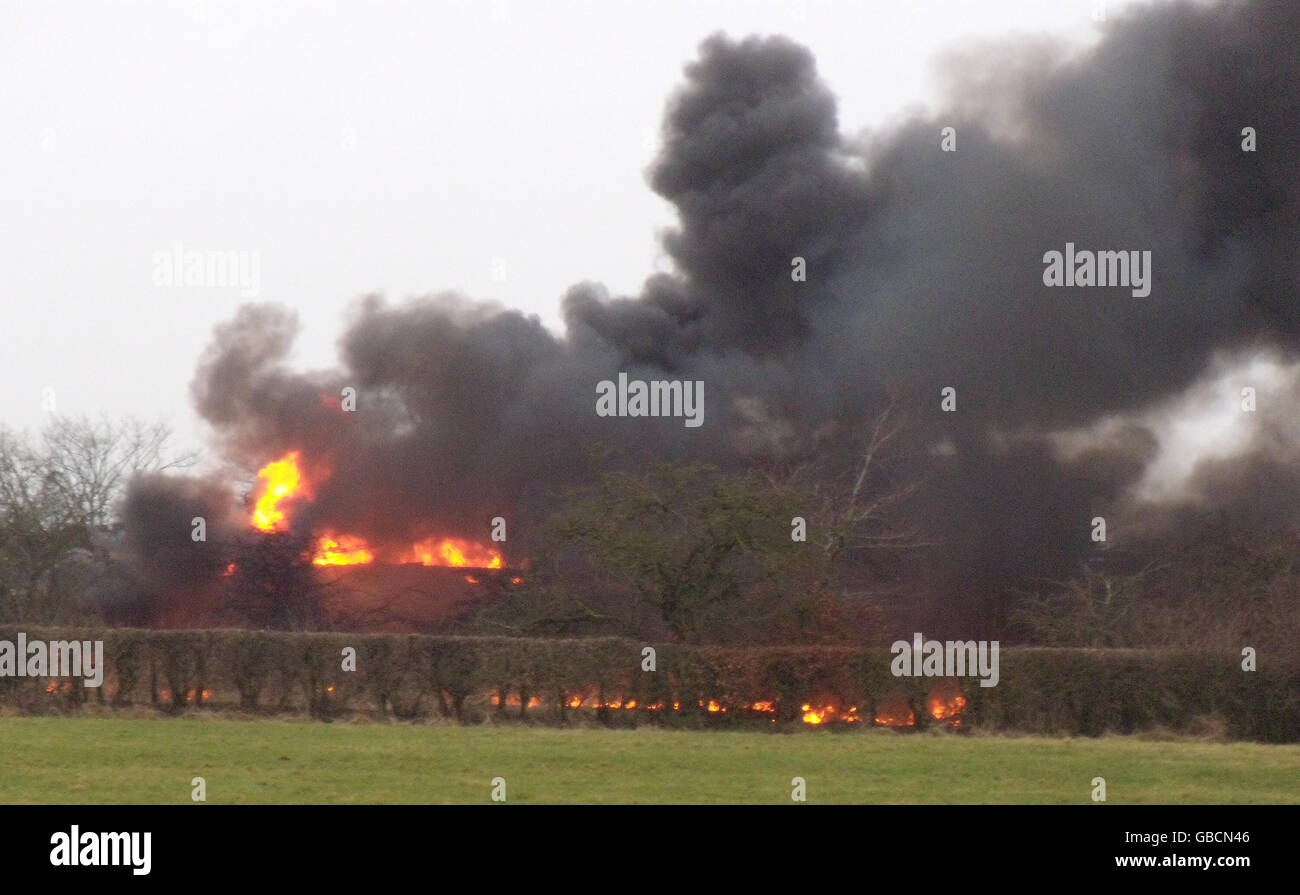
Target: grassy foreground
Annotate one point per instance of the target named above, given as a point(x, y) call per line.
point(99, 760)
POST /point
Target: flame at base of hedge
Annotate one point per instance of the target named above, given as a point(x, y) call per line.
point(944, 706)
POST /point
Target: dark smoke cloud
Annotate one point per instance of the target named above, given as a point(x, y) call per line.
point(924, 271)
point(175, 575)
point(753, 160)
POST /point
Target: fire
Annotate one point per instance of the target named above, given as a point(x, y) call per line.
point(895, 712)
point(816, 716)
point(828, 712)
point(281, 479)
point(578, 700)
point(454, 552)
point(344, 550)
point(189, 695)
point(940, 710)
point(946, 703)
point(887, 720)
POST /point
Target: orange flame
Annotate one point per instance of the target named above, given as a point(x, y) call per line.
point(895, 713)
point(454, 552)
point(344, 550)
point(827, 713)
point(947, 704)
point(814, 716)
point(281, 479)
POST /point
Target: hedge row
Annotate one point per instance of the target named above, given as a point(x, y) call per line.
point(1054, 691)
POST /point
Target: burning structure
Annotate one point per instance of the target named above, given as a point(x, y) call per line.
point(283, 484)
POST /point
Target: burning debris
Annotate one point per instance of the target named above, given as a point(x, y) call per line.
point(946, 702)
point(829, 713)
point(895, 713)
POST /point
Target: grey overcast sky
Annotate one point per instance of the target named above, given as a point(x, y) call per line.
point(367, 147)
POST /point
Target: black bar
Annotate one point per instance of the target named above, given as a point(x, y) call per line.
point(217, 843)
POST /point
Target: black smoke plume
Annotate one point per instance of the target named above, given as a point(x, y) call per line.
point(925, 270)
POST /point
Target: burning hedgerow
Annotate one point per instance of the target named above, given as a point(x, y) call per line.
point(599, 680)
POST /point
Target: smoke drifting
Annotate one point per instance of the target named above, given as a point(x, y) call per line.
point(925, 270)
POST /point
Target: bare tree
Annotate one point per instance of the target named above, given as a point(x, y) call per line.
point(90, 460)
point(855, 496)
point(1226, 590)
point(55, 489)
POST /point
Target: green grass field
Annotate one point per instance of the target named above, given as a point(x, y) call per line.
point(99, 760)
